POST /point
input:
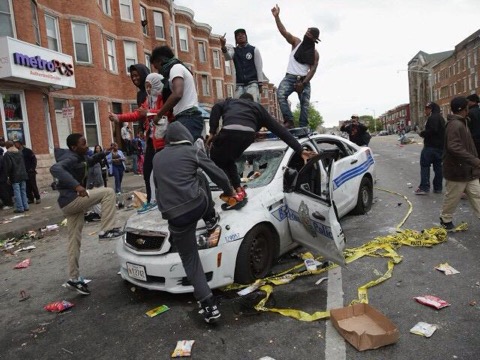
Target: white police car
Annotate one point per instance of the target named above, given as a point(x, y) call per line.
point(289, 203)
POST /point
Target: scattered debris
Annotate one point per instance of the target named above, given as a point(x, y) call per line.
point(423, 329)
point(5, 222)
point(319, 281)
point(310, 264)
point(67, 351)
point(64, 222)
point(447, 269)
point(409, 185)
point(157, 311)
point(47, 207)
point(251, 288)
point(432, 301)
point(58, 306)
point(23, 264)
point(24, 296)
point(183, 348)
point(472, 303)
point(28, 248)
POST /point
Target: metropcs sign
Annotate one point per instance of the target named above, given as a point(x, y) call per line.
point(30, 64)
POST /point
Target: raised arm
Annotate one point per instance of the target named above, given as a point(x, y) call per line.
point(289, 37)
point(227, 52)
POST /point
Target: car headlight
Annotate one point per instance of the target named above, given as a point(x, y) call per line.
point(209, 239)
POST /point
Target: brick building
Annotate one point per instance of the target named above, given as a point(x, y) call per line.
point(396, 117)
point(440, 77)
point(96, 41)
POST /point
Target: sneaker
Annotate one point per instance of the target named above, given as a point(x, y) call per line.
point(420, 192)
point(30, 201)
point(209, 310)
point(111, 234)
point(210, 224)
point(232, 200)
point(447, 225)
point(18, 211)
point(147, 207)
point(92, 216)
point(79, 286)
point(38, 201)
point(437, 191)
point(242, 193)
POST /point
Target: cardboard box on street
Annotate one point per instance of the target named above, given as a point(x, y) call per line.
point(364, 327)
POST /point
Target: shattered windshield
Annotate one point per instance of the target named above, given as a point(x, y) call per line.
point(257, 168)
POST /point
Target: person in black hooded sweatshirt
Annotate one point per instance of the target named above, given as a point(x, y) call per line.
point(433, 141)
point(302, 65)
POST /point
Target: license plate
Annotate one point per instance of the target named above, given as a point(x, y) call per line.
point(137, 272)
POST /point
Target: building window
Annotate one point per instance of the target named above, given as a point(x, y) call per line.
point(53, 35)
point(143, 16)
point(148, 63)
point(205, 85)
point(219, 86)
point(15, 125)
point(90, 122)
point(36, 28)
point(228, 68)
point(216, 59)
point(126, 12)
point(112, 58)
point(130, 49)
point(158, 21)
point(81, 42)
point(202, 53)
point(106, 7)
point(230, 91)
point(183, 38)
point(172, 39)
point(6, 21)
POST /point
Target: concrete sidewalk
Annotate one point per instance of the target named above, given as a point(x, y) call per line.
point(48, 212)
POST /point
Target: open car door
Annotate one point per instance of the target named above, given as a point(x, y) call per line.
point(312, 216)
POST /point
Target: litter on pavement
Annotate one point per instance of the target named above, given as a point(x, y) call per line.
point(183, 348)
point(23, 264)
point(58, 306)
point(447, 269)
point(156, 311)
point(423, 329)
point(432, 301)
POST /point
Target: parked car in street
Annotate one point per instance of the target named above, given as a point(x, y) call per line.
point(289, 203)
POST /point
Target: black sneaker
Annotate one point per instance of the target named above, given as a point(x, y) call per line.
point(79, 286)
point(95, 217)
point(447, 225)
point(209, 310)
point(111, 234)
point(210, 224)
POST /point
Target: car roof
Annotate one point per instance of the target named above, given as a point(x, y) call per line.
point(277, 144)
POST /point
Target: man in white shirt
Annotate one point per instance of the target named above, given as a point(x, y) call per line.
point(179, 92)
point(302, 65)
point(126, 134)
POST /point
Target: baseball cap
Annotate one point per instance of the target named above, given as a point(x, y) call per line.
point(458, 103)
point(473, 97)
point(315, 33)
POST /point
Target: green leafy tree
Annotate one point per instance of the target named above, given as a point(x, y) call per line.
point(315, 120)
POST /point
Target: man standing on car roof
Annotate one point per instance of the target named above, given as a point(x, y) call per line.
point(242, 118)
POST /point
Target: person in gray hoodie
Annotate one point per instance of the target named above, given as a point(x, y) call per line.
point(17, 176)
point(183, 198)
point(70, 170)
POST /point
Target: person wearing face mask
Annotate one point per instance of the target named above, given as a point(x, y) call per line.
point(154, 133)
point(302, 65)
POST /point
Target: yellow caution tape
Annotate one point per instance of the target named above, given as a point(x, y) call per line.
point(384, 246)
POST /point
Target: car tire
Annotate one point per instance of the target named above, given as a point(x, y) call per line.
point(365, 197)
point(255, 256)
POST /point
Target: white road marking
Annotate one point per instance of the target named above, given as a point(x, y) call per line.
point(334, 343)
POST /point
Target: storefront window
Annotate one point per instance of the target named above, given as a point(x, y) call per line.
point(14, 123)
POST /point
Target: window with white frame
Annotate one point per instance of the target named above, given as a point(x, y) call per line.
point(216, 59)
point(111, 55)
point(148, 63)
point(126, 11)
point(219, 88)
point(143, 16)
point(158, 21)
point(130, 49)
point(172, 39)
point(81, 41)
point(202, 52)
point(183, 38)
point(230, 91)
point(205, 85)
point(90, 122)
point(36, 27)
point(107, 9)
point(53, 35)
point(6, 20)
point(228, 68)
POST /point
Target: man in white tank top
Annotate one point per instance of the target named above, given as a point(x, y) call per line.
point(302, 64)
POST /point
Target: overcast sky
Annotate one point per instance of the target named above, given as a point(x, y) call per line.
point(365, 44)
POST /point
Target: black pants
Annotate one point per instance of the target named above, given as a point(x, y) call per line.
point(32, 188)
point(6, 194)
point(227, 147)
point(182, 235)
point(148, 167)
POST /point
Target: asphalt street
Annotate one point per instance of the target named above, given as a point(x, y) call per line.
point(111, 322)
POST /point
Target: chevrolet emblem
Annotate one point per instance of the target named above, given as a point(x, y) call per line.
point(140, 241)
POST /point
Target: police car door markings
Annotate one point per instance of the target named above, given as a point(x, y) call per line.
point(352, 173)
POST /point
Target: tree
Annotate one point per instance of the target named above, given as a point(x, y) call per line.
point(315, 120)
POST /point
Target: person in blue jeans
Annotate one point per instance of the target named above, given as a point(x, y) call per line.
point(433, 142)
point(17, 176)
point(302, 65)
point(116, 162)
